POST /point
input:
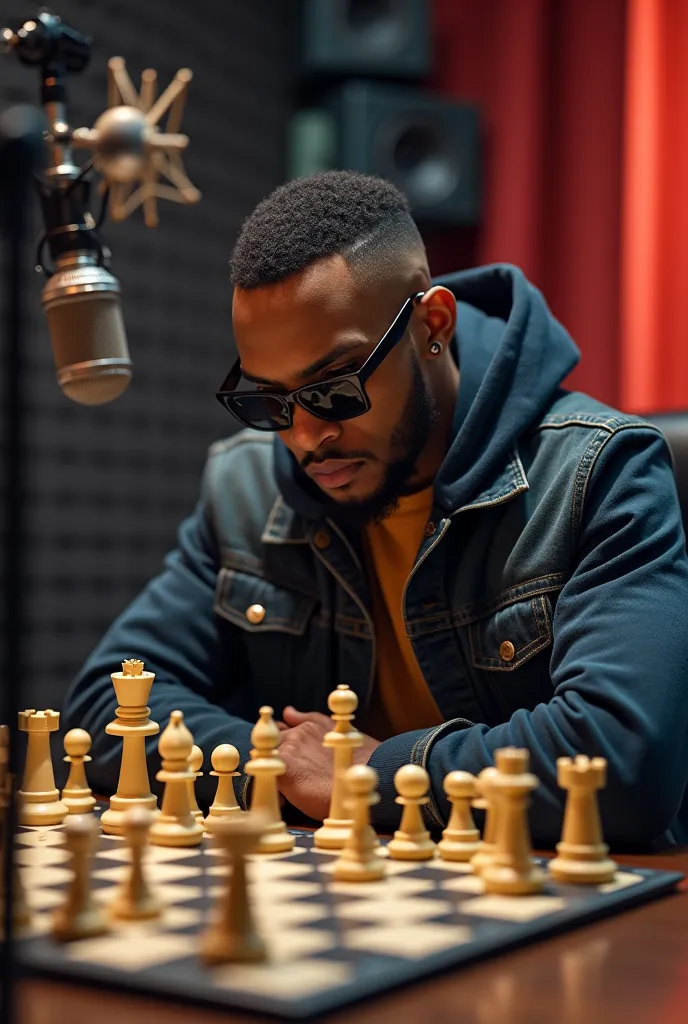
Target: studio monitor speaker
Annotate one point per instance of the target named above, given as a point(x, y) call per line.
point(387, 38)
point(427, 145)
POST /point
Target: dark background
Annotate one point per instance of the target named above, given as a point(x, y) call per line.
point(107, 486)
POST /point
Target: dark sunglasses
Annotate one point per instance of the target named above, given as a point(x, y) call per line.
point(338, 398)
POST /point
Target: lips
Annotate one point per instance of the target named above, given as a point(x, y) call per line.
point(334, 473)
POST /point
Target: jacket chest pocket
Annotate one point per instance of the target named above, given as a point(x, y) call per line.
point(505, 640)
point(279, 649)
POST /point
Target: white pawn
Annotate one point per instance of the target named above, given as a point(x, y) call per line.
point(486, 801)
point(176, 825)
point(134, 901)
point(265, 766)
point(76, 794)
point(460, 839)
point(360, 859)
point(195, 764)
point(79, 917)
point(411, 840)
point(225, 760)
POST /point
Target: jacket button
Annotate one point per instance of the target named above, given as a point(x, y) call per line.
point(322, 539)
point(429, 529)
point(255, 613)
point(507, 651)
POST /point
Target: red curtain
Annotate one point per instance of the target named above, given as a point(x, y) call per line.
point(549, 77)
point(654, 293)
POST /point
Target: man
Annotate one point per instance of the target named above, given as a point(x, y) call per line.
point(423, 513)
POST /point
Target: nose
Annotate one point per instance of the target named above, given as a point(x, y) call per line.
point(308, 432)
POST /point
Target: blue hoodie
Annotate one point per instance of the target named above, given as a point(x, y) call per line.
point(555, 526)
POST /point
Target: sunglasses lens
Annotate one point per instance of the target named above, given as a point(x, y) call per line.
point(268, 413)
point(341, 400)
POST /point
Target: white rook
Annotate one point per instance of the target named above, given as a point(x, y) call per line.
point(39, 802)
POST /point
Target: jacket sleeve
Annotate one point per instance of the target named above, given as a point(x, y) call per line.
point(172, 628)
point(619, 663)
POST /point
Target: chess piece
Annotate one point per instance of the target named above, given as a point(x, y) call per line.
point(485, 801)
point(581, 854)
point(79, 917)
point(343, 739)
point(232, 935)
point(39, 802)
point(21, 914)
point(195, 762)
point(512, 870)
point(265, 766)
point(360, 859)
point(460, 839)
point(134, 901)
point(175, 825)
point(132, 687)
point(411, 840)
point(76, 794)
point(225, 760)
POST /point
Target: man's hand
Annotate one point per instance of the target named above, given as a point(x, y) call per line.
point(307, 783)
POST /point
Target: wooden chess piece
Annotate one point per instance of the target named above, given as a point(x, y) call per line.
point(21, 914)
point(411, 840)
point(485, 801)
point(343, 739)
point(225, 760)
point(195, 763)
point(134, 901)
point(175, 825)
point(460, 839)
point(512, 870)
point(265, 766)
point(132, 687)
point(76, 794)
point(79, 917)
point(232, 935)
point(39, 802)
point(582, 854)
point(359, 860)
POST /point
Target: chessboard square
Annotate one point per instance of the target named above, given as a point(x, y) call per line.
point(175, 918)
point(284, 915)
point(297, 943)
point(387, 890)
point(167, 893)
point(465, 883)
point(412, 943)
point(461, 867)
point(39, 837)
point(38, 876)
point(271, 892)
point(157, 873)
point(260, 870)
point(396, 911)
point(132, 950)
point(44, 899)
point(294, 979)
point(41, 856)
point(621, 880)
point(513, 908)
point(298, 851)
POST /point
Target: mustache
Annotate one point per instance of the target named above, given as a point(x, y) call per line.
point(313, 459)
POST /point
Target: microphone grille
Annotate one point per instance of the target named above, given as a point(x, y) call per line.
point(90, 346)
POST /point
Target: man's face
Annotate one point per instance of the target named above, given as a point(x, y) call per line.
point(320, 324)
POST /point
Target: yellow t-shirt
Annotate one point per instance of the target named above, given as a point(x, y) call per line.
point(401, 699)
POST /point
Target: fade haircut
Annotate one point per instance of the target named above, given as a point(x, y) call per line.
point(362, 218)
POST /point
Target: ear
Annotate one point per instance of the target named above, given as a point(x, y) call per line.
point(438, 307)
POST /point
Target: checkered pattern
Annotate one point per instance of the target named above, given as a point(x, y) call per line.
point(328, 942)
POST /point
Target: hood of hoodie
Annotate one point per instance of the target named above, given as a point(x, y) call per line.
point(513, 355)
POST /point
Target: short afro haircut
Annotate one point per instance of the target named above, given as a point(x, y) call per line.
point(364, 219)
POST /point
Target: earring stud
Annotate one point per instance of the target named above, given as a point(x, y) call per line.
point(435, 348)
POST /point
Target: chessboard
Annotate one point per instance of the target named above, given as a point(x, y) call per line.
point(329, 943)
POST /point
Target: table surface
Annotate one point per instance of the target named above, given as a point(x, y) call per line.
point(630, 969)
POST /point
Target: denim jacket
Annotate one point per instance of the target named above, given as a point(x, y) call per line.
point(547, 606)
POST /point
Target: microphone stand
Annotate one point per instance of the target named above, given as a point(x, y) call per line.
point(20, 142)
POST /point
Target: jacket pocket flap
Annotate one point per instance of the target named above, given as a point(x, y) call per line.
point(258, 606)
point(506, 639)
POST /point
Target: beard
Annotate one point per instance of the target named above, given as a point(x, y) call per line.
point(409, 438)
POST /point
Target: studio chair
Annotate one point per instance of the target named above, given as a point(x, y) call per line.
point(674, 426)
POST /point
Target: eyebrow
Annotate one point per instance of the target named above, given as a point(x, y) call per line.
point(340, 349)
